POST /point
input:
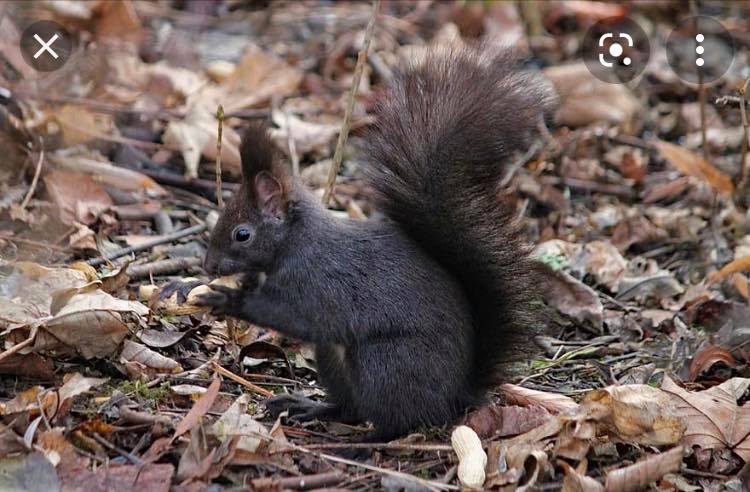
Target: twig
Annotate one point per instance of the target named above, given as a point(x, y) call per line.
point(582, 184)
point(220, 117)
point(344, 133)
point(188, 231)
point(17, 347)
point(292, 145)
point(125, 454)
point(744, 164)
point(37, 244)
point(244, 382)
point(163, 267)
point(303, 482)
point(701, 87)
point(35, 180)
point(100, 106)
point(428, 484)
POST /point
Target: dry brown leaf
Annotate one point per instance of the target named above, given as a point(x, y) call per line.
point(201, 407)
point(118, 20)
point(27, 292)
point(735, 266)
point(258, 77)
point(79, 125)
point(141, 361)
point(666, 191)
point(78, 197)
point(236, 422)
point(551, 401)
point(636, 230)
point(713, 418)
point(707, 357)
point(196, 135)
point(81, 319)
point(586, 99)
point(692, 164)
point(108, 174)
point(577, 481)
point(640, 474)
point(308, 136)
point(524, 464)
point(636, 413)
point(572, 297)
point(501, 421)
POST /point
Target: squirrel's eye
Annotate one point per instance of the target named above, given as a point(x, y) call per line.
point(241, 235)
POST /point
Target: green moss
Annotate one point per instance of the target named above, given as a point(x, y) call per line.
point(555, 262)
point(139, 391)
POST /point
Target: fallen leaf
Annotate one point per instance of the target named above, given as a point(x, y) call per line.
point(258, 77)
point(586, 99)
point(308, 136)
point(735, 266)
point(640, 474)
point(572, 298)
point(141, 361)
point(80, 125)
point(78, 197)
point(692, 164)
point(553, 402)
point(501, 421)
point(714, 419)
point(707, 357)
point(236, 422)
point(576, 481)
point(201, 407)
point(636, 413)
point(106, 173)
point(636, 230)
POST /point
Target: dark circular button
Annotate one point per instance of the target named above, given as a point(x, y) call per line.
point(616, 50)
point(46, 45)
point(700, 49)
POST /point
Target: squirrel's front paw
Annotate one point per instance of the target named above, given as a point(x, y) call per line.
point(222, 300)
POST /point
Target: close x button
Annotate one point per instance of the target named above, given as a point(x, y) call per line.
point(46, 45)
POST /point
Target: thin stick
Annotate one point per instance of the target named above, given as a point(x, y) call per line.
point(220, 117)
point(238, 379)
point(35, 180)
point(188, 231)
point(17, 347)
point(744, 164)
point(344, 133)
point(292, 145)
point(428, 484)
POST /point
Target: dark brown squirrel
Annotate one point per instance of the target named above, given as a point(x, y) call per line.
point(412, 316)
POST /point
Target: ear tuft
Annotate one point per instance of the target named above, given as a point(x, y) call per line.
point(256, 152)
point(270, 196)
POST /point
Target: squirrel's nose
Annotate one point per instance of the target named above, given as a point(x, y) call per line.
point(210, 264)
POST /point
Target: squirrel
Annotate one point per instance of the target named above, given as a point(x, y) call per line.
point(411, 316)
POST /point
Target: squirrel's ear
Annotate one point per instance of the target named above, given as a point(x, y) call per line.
point(270, 197)
point(256, 152)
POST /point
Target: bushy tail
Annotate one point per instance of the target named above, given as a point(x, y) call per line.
point(445, 134)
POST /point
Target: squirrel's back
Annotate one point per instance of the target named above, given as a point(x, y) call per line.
point(445, 135)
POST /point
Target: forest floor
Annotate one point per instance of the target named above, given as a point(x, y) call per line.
point(637, 199)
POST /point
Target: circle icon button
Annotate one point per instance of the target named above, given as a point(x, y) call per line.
point(46, 45)
point(700, 49)
point(616, 50)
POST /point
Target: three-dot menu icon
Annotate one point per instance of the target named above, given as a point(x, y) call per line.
point(700, 50)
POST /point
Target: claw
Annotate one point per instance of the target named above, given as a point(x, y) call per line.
point(182, 288)
point(211, 299)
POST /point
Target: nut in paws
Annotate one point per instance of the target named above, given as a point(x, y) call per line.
point(222, 300)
